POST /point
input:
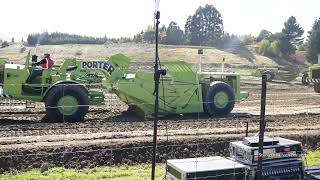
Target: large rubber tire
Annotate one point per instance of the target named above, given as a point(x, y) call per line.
point(213, 91)
point(304, 79)
point(316, 87)
point(67, 92)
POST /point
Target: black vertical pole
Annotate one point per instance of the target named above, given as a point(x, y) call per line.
point(157, 73)
point(262, 125)
point(247, 128)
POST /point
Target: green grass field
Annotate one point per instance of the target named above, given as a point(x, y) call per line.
point(138, 172)
point(313, 158)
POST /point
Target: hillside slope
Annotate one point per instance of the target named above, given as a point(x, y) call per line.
point(143, 53)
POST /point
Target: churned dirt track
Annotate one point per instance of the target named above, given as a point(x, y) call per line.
point(110, 136)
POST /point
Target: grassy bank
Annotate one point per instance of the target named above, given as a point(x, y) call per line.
point(313, 158)
point(138, 172)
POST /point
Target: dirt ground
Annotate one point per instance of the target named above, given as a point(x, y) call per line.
point(110, 136)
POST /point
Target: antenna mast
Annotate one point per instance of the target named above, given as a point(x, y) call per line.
point(157, 73)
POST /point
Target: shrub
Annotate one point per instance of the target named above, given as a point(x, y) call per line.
point(269, 49)
point(264, 47)
point(274, 49)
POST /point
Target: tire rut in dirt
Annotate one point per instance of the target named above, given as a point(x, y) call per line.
point(173, 123)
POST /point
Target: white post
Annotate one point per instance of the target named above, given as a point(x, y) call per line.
point(318, 58)
point(222, 65)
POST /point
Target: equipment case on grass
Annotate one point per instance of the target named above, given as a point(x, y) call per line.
point(213, 168)
point(275, 149)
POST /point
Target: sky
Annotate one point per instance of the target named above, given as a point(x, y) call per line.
point(124, 18)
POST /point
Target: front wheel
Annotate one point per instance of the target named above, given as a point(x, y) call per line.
point(219, 99)
point(67, 103)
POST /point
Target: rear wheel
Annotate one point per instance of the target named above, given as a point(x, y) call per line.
point(316, 87)
point(67, 103)
point(219, 99)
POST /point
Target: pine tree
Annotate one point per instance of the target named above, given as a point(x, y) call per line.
point(205, 27)
point(313, 43)
point(264, 34)
point(149, 35)
point(174, 35)
point(291, 36)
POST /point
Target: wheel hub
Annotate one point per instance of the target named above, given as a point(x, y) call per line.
point(68, 105)
point(221, 99)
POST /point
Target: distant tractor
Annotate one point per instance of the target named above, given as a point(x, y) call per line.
point(304, 78)
point(312, 76)
point(270, 72)
point(68, 92)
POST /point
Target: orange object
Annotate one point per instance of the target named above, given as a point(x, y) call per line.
point(49, 63)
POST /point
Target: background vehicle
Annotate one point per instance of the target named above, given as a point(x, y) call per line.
point(312, 76)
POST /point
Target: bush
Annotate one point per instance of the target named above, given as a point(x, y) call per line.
point(274, 49)
point(269, 49)
point(264, 47)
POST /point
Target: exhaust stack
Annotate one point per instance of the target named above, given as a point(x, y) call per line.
point(200, 52)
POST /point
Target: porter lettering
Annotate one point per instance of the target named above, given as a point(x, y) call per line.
point(97, 65)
